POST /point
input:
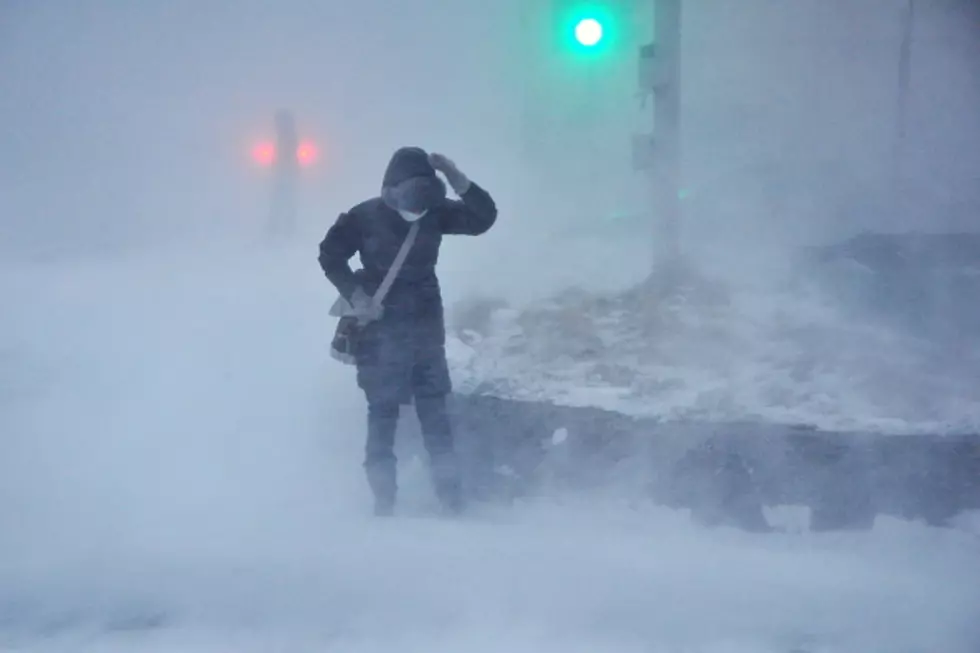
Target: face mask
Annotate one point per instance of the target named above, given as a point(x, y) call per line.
point(408, 216)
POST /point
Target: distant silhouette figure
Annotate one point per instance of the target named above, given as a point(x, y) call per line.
point(282, 214)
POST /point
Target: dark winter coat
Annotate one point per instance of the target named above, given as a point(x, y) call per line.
point(404, 351)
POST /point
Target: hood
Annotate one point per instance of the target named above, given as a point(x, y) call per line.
point(410, 182)
point(406, 163)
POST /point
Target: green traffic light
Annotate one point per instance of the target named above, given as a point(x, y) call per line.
point(588, 32)
point(589, 29)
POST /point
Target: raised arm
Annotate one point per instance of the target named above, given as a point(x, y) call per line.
point(475, 212)
point(342, 241)
point(471, 216)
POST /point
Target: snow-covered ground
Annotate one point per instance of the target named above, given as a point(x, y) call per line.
point(723, 349)
point(179, 471)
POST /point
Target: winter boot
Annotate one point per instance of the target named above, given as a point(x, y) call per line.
point(446, 482)
point(382, 480)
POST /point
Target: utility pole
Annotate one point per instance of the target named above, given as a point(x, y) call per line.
point(282, 212)
point(901, 109)
point(659, 153)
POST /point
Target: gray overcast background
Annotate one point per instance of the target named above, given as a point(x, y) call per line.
point(124, 123)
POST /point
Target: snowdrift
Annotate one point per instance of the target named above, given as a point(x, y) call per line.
point(842, 388)
point(181, 472)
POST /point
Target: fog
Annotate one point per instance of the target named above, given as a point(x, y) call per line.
point(142, 116)
point(179, 456)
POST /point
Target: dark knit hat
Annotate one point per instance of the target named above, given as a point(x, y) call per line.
point(407, 163)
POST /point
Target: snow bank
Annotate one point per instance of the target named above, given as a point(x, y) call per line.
point(717, 352)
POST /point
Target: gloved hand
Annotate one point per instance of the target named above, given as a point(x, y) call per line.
point(364, 308)
point(459, 182)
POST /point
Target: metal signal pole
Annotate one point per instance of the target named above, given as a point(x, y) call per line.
point(660, 152)
point(901, 111)
point(667, 126)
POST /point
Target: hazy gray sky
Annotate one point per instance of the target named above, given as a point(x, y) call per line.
point(135, 118)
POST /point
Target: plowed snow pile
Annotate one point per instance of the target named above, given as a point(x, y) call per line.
point(717, 352)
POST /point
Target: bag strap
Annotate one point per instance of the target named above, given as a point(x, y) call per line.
point(396, 265)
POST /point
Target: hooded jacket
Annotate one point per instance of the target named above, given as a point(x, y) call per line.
point(375, 230)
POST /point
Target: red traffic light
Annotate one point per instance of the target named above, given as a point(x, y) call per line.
point(264, 153)
point(306, 153)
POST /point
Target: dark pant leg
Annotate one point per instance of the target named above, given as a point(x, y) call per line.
point(379, 454)
point(383, 373)
point(431, 385)
point(436, 430)
point(443, 461)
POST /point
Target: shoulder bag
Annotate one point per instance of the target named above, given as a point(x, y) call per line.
point(347, 337)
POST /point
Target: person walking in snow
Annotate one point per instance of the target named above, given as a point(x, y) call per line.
point(399, 350)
